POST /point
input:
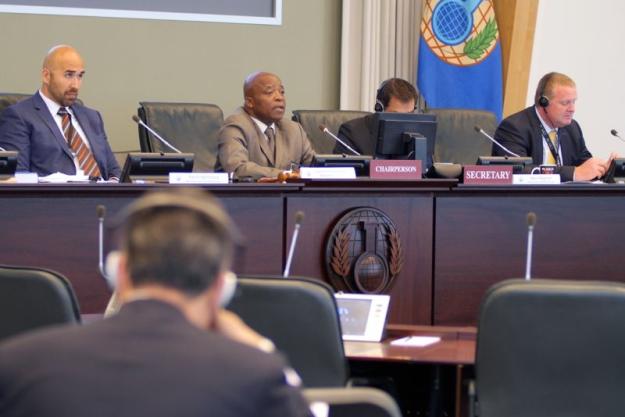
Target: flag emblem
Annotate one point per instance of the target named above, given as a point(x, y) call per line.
point(460, 32)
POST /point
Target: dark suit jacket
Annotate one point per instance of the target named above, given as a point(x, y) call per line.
point(359, 134)
point(243, 147)
point(146, 361)
point(28, 127)
point(521, 134)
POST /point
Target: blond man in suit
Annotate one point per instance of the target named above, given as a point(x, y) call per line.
point(257, 141)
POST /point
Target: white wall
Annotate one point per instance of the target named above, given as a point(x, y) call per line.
point(586, 40)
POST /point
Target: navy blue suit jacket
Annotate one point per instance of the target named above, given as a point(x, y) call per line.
point(29, 128)
point(521, 134)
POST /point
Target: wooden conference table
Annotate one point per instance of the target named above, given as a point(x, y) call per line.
point(457, 240)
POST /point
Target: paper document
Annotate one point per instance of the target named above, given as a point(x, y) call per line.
point(416, 341)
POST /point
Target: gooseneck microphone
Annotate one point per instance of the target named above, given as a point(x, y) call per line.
point(531, 221)
point(299, 216)
point(101, 212)
point(616, 135)
point(489, 137)
point(152, 131)
point(325, 130)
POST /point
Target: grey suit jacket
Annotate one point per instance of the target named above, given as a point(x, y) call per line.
point(28, 127)
point(243, 147)
point(148, 360)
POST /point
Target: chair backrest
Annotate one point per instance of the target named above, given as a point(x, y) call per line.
point(190, 127)
point(359, 401)
point(300, 316)
point(551, 348)
point(333, 119)
point(456, 138)
point(31, 298)
point(8, 99)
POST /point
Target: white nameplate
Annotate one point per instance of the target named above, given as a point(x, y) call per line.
point(536, 179)
point(198, 178)
point(26, 178)
point(335, 173)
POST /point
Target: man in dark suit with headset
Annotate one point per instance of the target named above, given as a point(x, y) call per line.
point(547, 132)
point(171, 350)
point(394, 95)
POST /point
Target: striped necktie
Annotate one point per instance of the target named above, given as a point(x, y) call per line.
point(553, 137)
point(77, 144)
point(271, 139)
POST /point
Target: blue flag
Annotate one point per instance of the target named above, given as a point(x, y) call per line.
point(460, 56)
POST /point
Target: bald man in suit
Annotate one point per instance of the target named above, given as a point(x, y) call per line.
point(257, 141)
point(38, 130)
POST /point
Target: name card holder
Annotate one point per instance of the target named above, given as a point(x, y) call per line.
point(488, 174)
point(328, 173)
point(395, 169)
point(198, 178)
point(537, 179)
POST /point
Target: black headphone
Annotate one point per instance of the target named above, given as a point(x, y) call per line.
point(543, 101)
point(380, 97)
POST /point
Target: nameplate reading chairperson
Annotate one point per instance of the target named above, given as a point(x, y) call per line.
point(395, 169)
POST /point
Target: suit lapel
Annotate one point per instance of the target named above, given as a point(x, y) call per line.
point(537, 137)
point(44, 114)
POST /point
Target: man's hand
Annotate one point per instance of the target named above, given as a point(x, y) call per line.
point(591, 169)
point(230, 325)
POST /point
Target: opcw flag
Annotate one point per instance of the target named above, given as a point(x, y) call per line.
point(460, 56)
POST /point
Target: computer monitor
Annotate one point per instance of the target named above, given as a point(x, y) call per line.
point(8, 164)
point(360, 163)
point(518, 163)
point(406, 136)
point(155, 166)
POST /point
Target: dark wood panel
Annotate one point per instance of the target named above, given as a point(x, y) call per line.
point(481, 239)
point(56, 227)
point(412, 214)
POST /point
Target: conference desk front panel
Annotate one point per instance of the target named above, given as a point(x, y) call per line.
point(56, 227)
point(456, 242)
point(481, 237)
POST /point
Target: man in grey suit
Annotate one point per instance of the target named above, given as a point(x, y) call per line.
point(256, 141)
point(171, 350)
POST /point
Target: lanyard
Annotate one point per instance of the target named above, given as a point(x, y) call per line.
point(552, 148)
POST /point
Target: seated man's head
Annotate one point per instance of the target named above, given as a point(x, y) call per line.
point(555, 99)
point(179, 243)
point(264, 97)
point(396, 95)
point(61, 75)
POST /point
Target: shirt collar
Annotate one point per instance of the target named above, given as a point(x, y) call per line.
point(263, 126)
point(545, 125)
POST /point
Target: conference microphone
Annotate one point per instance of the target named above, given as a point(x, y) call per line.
point(489, 137)
point(615, 134)
point(325, 130)
point(531, 221)
point(101, 212)
point(299, 216)
point(152, 131)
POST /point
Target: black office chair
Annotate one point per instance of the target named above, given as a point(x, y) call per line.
point(31, 298)
point(190, 127)
point(550, 348)
point(348, 402)
point(332, 119)
point(456, 138)
point(8, 99)
point(300, 316)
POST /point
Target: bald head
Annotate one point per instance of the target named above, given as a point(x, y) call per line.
point(61, 74)
point(264, 97)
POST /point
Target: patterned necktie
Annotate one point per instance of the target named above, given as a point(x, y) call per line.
point(77, 144)
point(553, 137)
point(271, 139)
